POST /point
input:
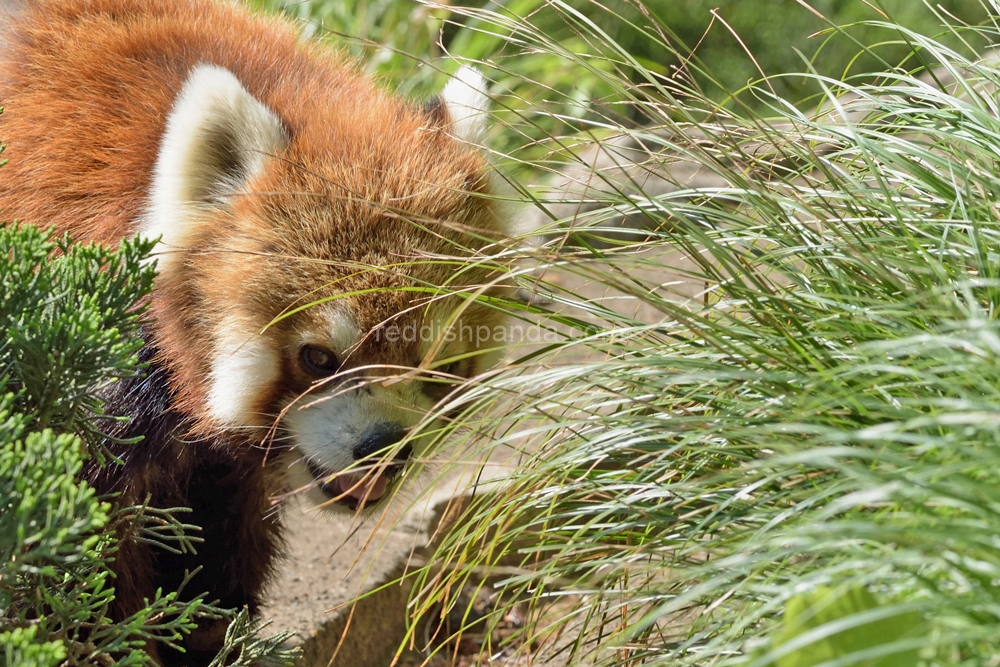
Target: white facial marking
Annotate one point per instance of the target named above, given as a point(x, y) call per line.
point(327, 427)
point(213, 120)
point(467, 103)
point(243, 367)
point(342, 329)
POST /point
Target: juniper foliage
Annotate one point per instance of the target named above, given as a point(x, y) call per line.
point(68, 326)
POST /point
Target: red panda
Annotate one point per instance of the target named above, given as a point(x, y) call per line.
point(274, 174)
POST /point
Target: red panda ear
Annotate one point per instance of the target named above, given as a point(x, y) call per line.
point(465, 104)
point(217, 138)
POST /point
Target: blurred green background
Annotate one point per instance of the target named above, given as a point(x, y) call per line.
point(786, 36)
point(555, 80)
point(395, 37)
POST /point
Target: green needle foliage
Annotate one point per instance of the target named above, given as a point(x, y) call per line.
point(68, 326)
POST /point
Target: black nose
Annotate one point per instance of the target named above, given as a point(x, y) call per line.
point(380, 438)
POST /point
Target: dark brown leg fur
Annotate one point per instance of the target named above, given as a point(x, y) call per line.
point(222, 482)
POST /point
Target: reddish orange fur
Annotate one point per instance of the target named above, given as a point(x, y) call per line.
point(366, 182)
point(87, 87)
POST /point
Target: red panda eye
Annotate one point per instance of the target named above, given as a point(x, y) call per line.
point(319, 362)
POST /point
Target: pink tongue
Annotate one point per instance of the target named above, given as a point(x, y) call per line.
point(366, 489)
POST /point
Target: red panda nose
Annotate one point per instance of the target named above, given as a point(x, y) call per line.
point(380, 438)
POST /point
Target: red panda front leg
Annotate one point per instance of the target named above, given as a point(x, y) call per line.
point(222, 482)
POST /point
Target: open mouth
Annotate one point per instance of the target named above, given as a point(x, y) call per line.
point(355, 490)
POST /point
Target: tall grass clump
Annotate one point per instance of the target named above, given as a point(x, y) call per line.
point(776, 440)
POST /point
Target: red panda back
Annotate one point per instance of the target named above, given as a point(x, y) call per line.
point(87, 86)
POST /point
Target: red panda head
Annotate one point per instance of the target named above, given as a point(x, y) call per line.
point(351, 201)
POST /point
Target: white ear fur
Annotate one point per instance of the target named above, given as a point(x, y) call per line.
point(217, 138)
point(467, 103)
